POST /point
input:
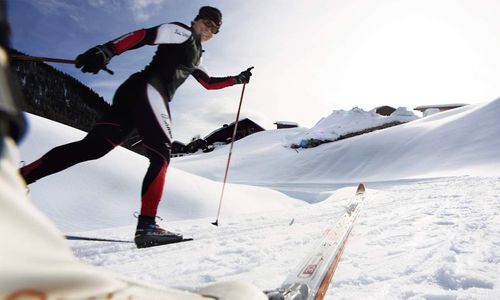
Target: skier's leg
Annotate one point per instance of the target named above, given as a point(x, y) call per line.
point(153, 124)
point(65, 156)
point(106, 134)
point(154, 180)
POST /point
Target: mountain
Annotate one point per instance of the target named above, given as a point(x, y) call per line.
point(55, 95)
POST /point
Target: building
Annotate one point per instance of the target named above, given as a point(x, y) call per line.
point(431, 109)
point(385, 110)
point(285, 124)
point(224, 134)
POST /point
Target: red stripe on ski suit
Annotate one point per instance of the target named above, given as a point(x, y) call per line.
point(212, 83)
point(26, 170)
point(129, 41)
point(151, 198)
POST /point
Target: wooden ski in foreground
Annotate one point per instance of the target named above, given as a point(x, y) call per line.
point(312, 277)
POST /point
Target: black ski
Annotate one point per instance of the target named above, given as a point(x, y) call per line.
point(96, 239)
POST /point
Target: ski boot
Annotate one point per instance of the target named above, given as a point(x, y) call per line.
point(149, 234)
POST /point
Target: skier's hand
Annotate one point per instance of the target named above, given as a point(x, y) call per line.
point(94, 59)
point(243, 77)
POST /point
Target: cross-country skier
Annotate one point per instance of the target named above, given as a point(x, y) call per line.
point(141, 102)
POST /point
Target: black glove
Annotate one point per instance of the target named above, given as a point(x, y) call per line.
point(94, 59)
point(243, 77)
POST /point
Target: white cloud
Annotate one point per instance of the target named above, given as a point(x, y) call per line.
point(97, 3)
point(143, 10)
point(106, 4)
point(311, 59)
point(53, 7)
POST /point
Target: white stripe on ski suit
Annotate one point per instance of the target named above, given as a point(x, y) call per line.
point(171, 34)
point(174, 34)
point(160, 111)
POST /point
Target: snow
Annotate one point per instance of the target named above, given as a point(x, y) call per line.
point(64, 196)
point(429, 228)
point(342, 122)
point(452, 143)
point(431, 111)
point(449, 105)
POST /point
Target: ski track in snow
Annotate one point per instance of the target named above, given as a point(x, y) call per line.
point(434, 239)
point(424, 239)
point(246, 247)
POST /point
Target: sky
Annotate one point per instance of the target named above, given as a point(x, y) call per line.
point(310, 58)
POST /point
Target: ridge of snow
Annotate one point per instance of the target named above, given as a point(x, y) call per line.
point(342, 122)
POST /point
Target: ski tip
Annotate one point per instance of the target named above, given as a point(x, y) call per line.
point(361, 189)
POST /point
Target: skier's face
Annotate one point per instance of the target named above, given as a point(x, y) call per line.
point(205, 29)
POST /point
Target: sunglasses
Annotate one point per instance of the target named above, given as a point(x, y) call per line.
point(211, 26)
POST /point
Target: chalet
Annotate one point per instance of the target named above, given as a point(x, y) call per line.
point(225, 133)
point(385, 110)
point(285, 124)
point(430, 109)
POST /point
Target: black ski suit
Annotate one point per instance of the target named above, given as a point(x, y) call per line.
point(141, 102)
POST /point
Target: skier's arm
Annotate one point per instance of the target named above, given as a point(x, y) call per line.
point(96, 58)
point(171, 33)
point(132, 40)
point(212, 83)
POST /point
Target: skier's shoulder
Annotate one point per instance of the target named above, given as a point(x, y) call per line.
point(173, 33)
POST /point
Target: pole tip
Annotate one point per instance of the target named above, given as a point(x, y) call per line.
point(216, 223)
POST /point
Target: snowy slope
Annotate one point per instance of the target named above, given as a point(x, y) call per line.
point(460, 141)
point(106, 192)
point(429, 239)
point(416, 238)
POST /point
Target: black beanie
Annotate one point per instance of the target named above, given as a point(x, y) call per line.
point(210, 13)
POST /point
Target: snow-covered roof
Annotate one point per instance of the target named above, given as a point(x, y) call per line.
point(440, 106)
point(286, 123)
point(179, 143)
point(229, 125)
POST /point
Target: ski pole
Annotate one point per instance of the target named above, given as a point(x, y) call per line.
point(216, 223)
point(50, 59)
